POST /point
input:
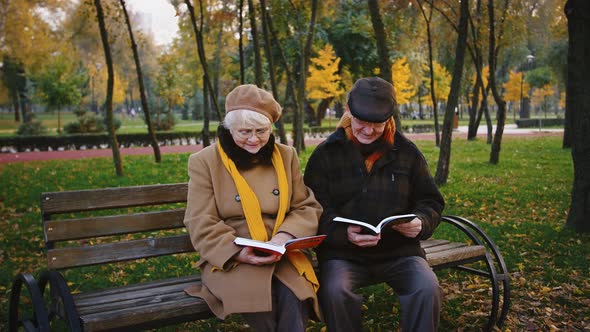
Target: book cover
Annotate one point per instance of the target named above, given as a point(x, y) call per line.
point(391, 220)
point(272, 248)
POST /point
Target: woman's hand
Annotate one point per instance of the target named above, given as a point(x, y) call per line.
point(281, 237)
point(361, 240)
point(409, 229)
point(248, 256)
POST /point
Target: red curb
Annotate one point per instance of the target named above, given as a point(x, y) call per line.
point(167, 149)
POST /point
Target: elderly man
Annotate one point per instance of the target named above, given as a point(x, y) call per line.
point(367, 171)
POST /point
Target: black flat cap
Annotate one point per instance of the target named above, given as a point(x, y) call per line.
point(371, 99)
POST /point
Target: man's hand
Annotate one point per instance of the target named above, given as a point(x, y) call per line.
point(248, 256)
point(361, 240)
point(409, 229)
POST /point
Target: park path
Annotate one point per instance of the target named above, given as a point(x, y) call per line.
point(168, 149)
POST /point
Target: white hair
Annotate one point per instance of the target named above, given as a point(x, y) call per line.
point(246, 119)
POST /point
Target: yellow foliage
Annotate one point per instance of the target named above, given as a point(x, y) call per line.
point(442, 82)
point(485, 73)
point(540, 95)
point(98, 83)
point(562, 100)
point(4, 96)
point(516, 88)
point(401, 77)
point(323, 80)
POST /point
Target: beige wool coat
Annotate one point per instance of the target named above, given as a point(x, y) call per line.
point(214, 217)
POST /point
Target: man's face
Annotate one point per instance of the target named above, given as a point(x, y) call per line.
point(366, 132)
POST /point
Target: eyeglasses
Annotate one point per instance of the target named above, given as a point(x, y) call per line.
point(247, 133)
point(374, 125)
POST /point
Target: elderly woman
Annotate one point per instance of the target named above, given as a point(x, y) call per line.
point(249, 186)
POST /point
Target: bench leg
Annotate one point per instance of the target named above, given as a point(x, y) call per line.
point(39, 321)
point(62, 303)
point(497, 271)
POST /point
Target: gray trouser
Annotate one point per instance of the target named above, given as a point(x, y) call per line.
point(410, 277)
point(288, 312)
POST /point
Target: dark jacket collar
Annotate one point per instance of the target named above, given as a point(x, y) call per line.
point(243, 159)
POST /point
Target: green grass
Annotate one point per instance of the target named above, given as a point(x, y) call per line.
point(522, 203)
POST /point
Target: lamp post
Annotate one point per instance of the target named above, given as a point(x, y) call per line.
point(528, 61)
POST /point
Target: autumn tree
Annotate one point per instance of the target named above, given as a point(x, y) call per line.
point(439, 89)
point(541, 97)
point(26, 43)
point(142, 92)
point(402, 85)
point(271, 64)
point(428, 20)
point(61, 85)
point(324, 81)
point(516, 88)
point(444, 157)
point(168, 87)
point(495, 37)
point(110, 84)
point(198, 30)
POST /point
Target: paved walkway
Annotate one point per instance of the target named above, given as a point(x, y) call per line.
point(509, 130)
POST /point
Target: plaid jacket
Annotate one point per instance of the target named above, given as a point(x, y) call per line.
point(399, 183)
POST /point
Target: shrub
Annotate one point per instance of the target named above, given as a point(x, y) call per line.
point(163, 122)
point(89, 122)
point(33, 128)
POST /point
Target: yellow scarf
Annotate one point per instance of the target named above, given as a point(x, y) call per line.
point(253, 214)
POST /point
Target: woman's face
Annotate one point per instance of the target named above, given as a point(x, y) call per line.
point(251, 139)
point(366, 132)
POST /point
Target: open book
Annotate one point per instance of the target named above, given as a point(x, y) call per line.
point(272, 248)
point(391, 220)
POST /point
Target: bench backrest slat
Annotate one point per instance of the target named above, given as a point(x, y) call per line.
point(111, 198)
point(117, 251)
point(83, 228)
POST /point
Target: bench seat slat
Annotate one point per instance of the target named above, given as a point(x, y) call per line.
point(125, 294)
point(432, 243)
point(455, 255)
point(146, 316)
point(117, 251)
point(448, 246)
point(130, 302)
point(111, 198)
point(137, 287)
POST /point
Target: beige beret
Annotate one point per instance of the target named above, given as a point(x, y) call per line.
point(251, 97)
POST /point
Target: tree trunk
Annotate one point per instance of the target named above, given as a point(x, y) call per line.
point(381, 40)
point(201, 52)
point(298, 139)
point(255, 45)
point(142, 93)
point(240, 40)
point(110, 86)
point(321, 111)
point(578, 110)
point(501, 113)
point(382, 50)
point(206, 114)
point(444, 158)
point(428, 19)
point(290, 90)
point(271, 66)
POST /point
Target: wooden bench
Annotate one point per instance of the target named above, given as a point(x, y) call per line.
point(107, 226)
